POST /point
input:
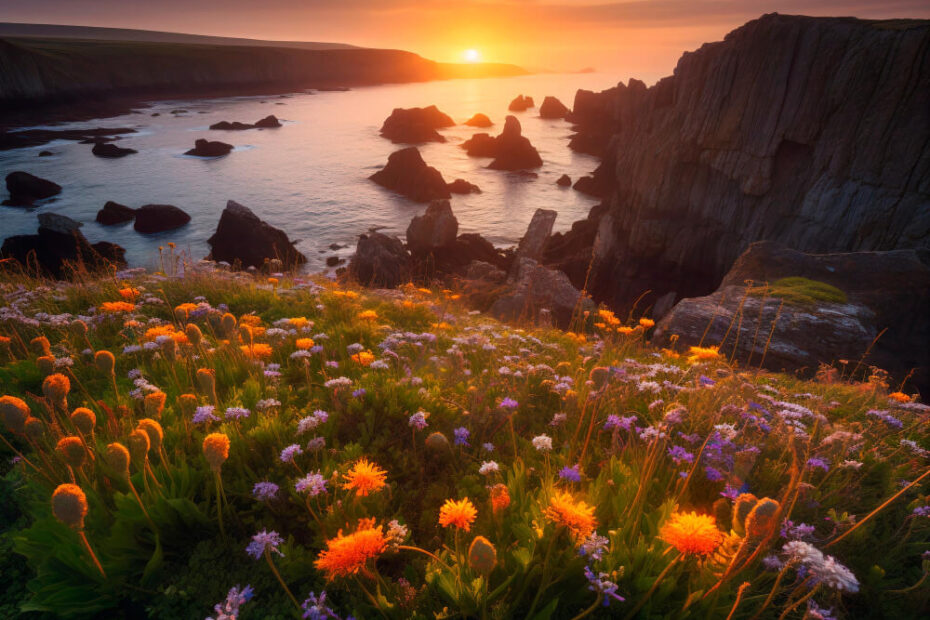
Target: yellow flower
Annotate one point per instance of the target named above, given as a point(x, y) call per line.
point(299, 321)
point(577, 517)
point(460, 514)
point(273, 281)
point(365, 477)
point(691, 533)
point(899, 397)
point(257, 350)
point(626, 331)
point(703, 354)
point(368, 315)
point(365, 358)
point(112, 307)
point(129, 293)
point(347, 555)
point(304, 343)
point(216, 450)
point(646, 323)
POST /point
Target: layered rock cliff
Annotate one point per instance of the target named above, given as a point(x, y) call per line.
point(812, 132)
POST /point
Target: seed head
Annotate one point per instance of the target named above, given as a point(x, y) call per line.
point(154, 404)
point(56, 388)
point(118, 457)
point(194, 335)
point(35, 429)
point(78, 328)
point(84, 420)
point(140, 444)
point(14, 412)
point(41, 345)
point(69, 505)
point(482, 556)
point(71, 450)
point(46, 364)
point(228, 323)
point(105, 362)
point(154, 430)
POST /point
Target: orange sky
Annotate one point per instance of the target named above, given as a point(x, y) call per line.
point(642, 38)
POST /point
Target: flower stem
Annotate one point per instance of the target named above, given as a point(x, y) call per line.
point(280, 579)
point(93, 555)
point(590, 609)
point(655, 586)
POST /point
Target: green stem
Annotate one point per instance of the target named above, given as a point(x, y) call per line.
point(219, 503)
point(652, 590)
point(281, 580)
point(590, 609)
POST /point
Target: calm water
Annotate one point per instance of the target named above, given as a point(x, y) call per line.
point(310, 176)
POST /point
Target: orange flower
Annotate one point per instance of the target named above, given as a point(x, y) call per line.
point(691, 533)
point(347, 555)
point(500, 497)
point(112, 307)
point(365, 477)
point(460, 514)
point(69, 505)
point(298, 322)
point(899, 397)
point(364, 358)
point(304, 343)
point(703, 354)
point(646, 323)
point(252, 320)
point(368, 315)
point(626, 331)
point(258, 350)
point(129, 293)
point(216, 450)
point(577, 517)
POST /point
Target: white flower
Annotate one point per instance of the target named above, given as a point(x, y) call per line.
point(489, 467)
point(543, 443)
point(834, 575)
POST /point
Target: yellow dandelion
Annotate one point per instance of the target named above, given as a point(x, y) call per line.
point(577, 517)
point(692, 533)
point(364, 477)
point(460, 514)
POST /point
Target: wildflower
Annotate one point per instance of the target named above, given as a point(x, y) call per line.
point(571, 474)
point(646, 323)
point(154, 403)
point(290, 452)
point(363, 358)
point(460, 514)
point(313, 484)
point(368, 315)
point(396, 534)
point(509, 403)
point(488, 467)
point(304, 343)
point(113, 307)
point(364, 477)
point(616, 422)
point(56, 387)
point(542, 443)
point(461, 436)
point(921, 511)
point(899, 397)
point(834, 575)
point(204, 414)
point(712, 474)
point(263, 542)
point(691, 533)
point(558, 419)
point(815, 612)
point(229, 608)
point(594, 546)
point(703, 354)
point(482, 556)
point(772, 563)
point(500, 497)
point(680, 455)
point(818, 463)
point(348, 554)
point(69, 505)
point(216, 450)
point(14, 412)
point(316, 444)
point(264, 491)
point(118, 458)
point(577, 517)
point(267, 403)
point(256, 350)
point(604, 587)
point(72, 451)
point(315, 607)
point(418, 420)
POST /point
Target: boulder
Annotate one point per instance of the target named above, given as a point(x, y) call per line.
point(244, 239)
point(380, 261)
point(115, 213)
point(514, 151)
point(434, 230)
point(537, 234)
point(407, 174)
point(553, 108)
point(159, 218)
point(481, 145)
point(58, 223)
point(269, 122)
point(798, 323)
point(415, 125)
point(334, 261)
point(479, 120)
point(111, 151)
point(26, 188)
point(521, 104)
point(570, 252)
point(208, 148)
point(461, 186)
point(564, 181)
point(59, 249)
point(536, 288)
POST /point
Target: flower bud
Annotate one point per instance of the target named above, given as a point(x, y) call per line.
point(46, 364)
point(69, 505)
point(35, 429)
point(154, 404)
point(206, 381)
point(188, 405)
point(41, 345)
point(56, 388)
point(482, 556)
point(741, 509)
point(216, 450)
point(761, 520)
point(84, 420)
point(154, 430)
point(118, 457)
point(169, 348)
point(437, 442)
point(245, 334)
point(71, 450)
point(599, 376)
point(194, 335)
point(78, 328)
point(14, 412)
point(140, 444)
point(105, 362)
point(228, 322)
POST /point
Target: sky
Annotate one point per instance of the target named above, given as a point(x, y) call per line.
point(643, 38)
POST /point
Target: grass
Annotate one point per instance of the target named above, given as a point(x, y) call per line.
point(802, 292)
point(516, 472)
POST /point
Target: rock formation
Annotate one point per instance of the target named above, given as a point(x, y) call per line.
point(461, 186)
point(481, 145)
point(269, 122)
point(553, 108)
point(537, 234)
point(208, 148)
point(809, 324)
point(415, 125)
point(407, 174)
point(510, 150)
point(244, 239)
point(479, 120)
point(564, 181)
point(115, 213)
point(521, 104)
point(539, 290)
point(380, 261)
point(159, 218)
point(435, 230)
point(111, 151)
point(26, 188)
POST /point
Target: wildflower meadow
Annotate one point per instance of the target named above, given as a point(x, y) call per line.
point(216, 445)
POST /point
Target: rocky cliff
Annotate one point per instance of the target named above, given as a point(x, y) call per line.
point(812, 132)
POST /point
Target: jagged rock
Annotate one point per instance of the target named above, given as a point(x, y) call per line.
point(269, 122)
point(111, 151)
point(479, 120)
point(553, 108)
point(481, 145)
point(208, 148)
point(159, 218)
point(434, 230)
point(406, 173)
point(570, 252)
point(115, 213)
point(882, 289)
point(737, 146)
point(241, 237)
point(564, 181)
point(60, 249)
point(461, 186)
point(486, 272)
point(26, 188)
point(380, 261)
point(537, 234)
point(415, 125)
point(521, 104)
point(536, 288)
point(514, 151)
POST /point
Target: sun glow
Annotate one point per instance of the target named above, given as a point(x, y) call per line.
point(471, 55)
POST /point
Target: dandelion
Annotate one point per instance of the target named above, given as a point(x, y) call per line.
point(304, 343)
point(346, 555)
point(363, 358)
point(460, 514)
point(115, 307)
point(703, 354)
point(691, 533)
point(577, 517)
point(364, 477)
point(257, 350)
point(368, 315)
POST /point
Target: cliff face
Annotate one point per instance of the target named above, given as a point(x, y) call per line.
point(812, 132)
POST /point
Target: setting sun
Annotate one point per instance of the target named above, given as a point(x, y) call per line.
point(471, 55)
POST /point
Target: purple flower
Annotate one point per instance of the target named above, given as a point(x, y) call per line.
point(570, 473)
point(614, 421)
point(315, 607)
point(314, 484)
point(358, 394)
point(509, 403)
point(799, 531)
point(229, 608)
point(461, 436)
point(316, 444)
point(236, 413)
point(288, 453)
point(264, 491)
point(602, 584)
point(730, 492)
point(712, 474)
point(816, 462)
point(680, 455)
point(262, 542)
point(418, 421)
point(922, 511)
point(204, 414)
point(594, 546)
point(706, 381)
point(488, 446)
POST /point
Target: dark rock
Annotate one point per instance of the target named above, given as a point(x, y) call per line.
point(521, 104)
point(159, 218)
point(336, 246)
point(45, 153)
point(207, 148)
point(333, 261)
point(592, 186)
point(380, 261)
point(115, 213)
point(406, 173)
point(26, 188)
point(570, 252)
point(553, 108)
point(461, 186)
point(434, 230)
point(111, 151)
point(59, 223)
point(156, 114)
point(564, 181)
point(535, 289)
point(231, 126)
point(38, 137)
point(883, 290)
point(269, 122)
point(511, 150)
point(415, 125)
point(537, 234)
point(244, 239)
point(481, 145)
point(179, 111)
point(479, 120)
point(111, 252)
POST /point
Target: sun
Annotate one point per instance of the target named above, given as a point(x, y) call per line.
point(471, 55)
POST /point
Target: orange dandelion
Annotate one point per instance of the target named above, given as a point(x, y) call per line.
point(258, 350)
point(691, 533)
point(368, 315)
point(304, 343)
point(703, 354)
point(364, 477)
point(577, 517)
point(899, 397)
point(299, 322)
point(216, 450)
point(364, 358)
point(113, 307)
point(348, 554)
point(646, 323)
point(129, 293)
point(460, 514)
